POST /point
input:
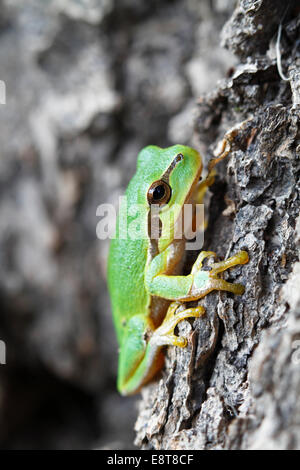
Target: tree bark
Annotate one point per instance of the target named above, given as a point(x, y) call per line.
point(236, 385)
point(88, 85)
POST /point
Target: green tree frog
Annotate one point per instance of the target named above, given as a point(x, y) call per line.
point(144, 275)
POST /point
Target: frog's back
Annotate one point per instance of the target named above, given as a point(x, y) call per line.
point(128, 257)
point(126, 267)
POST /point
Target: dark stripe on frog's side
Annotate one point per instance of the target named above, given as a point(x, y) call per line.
point(158, 306)
point(165, 177)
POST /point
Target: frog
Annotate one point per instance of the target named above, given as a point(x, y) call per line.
point(149, 294)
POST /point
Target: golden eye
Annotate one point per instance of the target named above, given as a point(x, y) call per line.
point(159, 193)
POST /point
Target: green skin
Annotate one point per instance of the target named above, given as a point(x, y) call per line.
point(137, 275)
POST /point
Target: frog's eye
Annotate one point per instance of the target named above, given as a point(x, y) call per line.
point(159, 193)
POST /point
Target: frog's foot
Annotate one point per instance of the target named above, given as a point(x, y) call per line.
point(240, 258)
point(207, 281)
point(164, 334)
point(199, 261)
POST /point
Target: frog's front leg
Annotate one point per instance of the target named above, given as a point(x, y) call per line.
point(197, 284)
point(207, 281)
point(140, 353)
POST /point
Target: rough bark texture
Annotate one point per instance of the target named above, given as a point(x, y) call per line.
point(237, 385)
point(89, 84)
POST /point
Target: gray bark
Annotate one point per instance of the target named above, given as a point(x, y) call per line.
point(237, 384)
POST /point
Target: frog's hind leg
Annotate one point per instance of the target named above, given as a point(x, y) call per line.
point(164, 334)
point(140, 359)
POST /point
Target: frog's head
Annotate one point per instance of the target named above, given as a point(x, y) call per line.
point(167, 178)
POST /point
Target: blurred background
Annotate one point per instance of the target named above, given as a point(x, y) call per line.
point(88, 84)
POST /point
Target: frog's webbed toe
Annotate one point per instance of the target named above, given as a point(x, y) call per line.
point(219, 284)
point(206, 281)
point(239, 258)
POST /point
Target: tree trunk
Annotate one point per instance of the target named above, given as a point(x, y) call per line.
point(237, 384)
point(88, 85)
